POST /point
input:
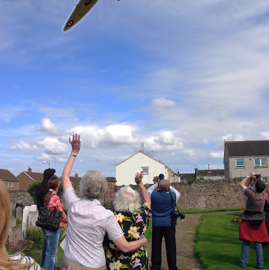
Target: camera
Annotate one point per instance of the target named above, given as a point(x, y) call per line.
point(174, 216)
point(257, 175)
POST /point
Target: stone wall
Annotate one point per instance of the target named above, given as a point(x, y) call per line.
point(208, 194)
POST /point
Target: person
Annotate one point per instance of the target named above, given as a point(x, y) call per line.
point(52, 201)
point(43, 189)
point(17, 261)
point(41, 192)
point(163, 201)
point(88, 220)
point(134, 220)
point(252, 225)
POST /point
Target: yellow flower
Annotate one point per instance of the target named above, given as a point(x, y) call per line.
point(108, 254)
point(136, 254)
point(111, 245)
point(119, 217)
point(132, 230)
point(136, 235)
point(115, 265)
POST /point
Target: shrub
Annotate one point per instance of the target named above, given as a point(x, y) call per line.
point(21, 245)
point(32, 190)
point(36, 235)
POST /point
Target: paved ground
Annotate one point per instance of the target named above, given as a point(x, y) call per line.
point(185, 236)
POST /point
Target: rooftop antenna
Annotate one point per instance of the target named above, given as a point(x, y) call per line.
point(142, 147)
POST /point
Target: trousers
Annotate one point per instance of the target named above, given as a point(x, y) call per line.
point(169, 234)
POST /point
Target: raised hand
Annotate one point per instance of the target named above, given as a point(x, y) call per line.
point(75, 143)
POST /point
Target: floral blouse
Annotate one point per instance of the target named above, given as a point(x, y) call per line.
point(134, 226)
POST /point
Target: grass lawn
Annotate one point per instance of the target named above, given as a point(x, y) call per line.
point(217, 244)
point(37, 255)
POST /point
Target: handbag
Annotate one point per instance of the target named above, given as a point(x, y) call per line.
point(49, 218)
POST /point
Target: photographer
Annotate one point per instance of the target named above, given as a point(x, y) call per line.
point(252, 225)
point(163, 202)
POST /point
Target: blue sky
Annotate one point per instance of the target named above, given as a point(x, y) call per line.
point(178, 76)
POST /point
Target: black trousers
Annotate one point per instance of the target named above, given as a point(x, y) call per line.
point(169, 234)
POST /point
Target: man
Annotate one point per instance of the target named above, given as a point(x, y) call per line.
point(163, 201)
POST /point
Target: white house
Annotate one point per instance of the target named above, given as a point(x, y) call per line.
point(242, 157)
point(125, 171)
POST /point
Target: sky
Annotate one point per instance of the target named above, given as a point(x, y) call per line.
point(174, 78)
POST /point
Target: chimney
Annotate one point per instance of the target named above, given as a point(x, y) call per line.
point(29, 169)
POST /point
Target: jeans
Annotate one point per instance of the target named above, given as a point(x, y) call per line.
point(52, 240)
point(244, 254)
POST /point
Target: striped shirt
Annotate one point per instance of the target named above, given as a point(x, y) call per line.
point(25, 260)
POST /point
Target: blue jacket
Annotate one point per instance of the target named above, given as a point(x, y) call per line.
point(162, 206)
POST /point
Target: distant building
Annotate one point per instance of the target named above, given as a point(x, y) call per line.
point(242, 157)
point(29, 177)
point(9, 179)
point(125, 170)
point(211, 174)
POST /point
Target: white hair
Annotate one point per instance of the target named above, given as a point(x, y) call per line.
point(127, 199)
point(93, 185)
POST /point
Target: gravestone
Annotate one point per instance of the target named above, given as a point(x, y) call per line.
point(19, 212)
point(25, 217)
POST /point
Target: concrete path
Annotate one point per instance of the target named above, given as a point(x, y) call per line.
point(185, 236)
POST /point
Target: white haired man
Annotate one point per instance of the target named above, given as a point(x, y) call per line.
point(163, 201)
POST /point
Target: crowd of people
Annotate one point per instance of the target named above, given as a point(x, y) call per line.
point(99, 239)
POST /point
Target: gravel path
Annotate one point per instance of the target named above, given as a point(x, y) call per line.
point(185, 236)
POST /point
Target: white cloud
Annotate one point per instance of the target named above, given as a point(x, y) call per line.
point(217, 154)
point(24, 146)
point(162, 103)
point(48, 127)
point(53, 146)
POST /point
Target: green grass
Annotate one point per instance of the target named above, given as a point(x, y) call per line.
point(218, 246)
point(212, 210)
point(37, 255)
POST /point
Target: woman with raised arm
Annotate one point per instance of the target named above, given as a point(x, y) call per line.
point(134, 220)
point(252, 225)
point(88, 220)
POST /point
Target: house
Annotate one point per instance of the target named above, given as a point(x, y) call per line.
point(29, 177)
point(242, 157)
point(125, 170)
point(212, 174)
point(9, 179)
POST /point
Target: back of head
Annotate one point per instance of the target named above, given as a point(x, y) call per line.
point(93, 185)
point(48, 173)
point(260, 186)
point(53, 184)
point(127, 200)
point(164, 185)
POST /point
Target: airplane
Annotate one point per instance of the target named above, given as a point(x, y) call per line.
point(82, 8)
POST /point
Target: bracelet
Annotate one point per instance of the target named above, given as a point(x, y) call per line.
point(73, 155)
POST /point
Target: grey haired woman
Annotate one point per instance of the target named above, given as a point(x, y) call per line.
point(88, 220)
point(134, 220)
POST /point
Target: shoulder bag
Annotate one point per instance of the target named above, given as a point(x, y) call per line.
point(49, 218)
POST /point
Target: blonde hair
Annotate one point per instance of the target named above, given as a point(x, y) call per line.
point(5, 261)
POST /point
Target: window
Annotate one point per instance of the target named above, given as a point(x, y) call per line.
point(145, 170)
point(260, 162)
point(240, 163)
point(10, 184)
point(265, 180)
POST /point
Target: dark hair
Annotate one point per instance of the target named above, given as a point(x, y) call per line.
point(53, 183)
point(260, 186)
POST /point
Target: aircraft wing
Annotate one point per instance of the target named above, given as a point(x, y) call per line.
point(82, 8)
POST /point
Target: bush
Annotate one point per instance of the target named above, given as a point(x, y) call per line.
point(33, 188)
point(21, 245)
point(36, 235)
